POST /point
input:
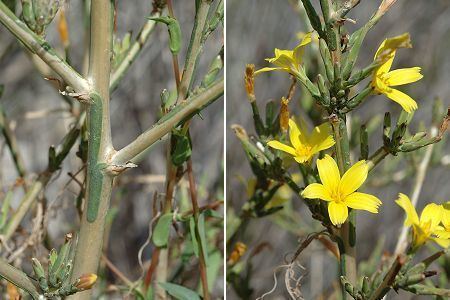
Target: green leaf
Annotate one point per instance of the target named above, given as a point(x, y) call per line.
point(213, 214)
point(202, 233)
point(179, 292)
point(162, 229)
point(192, 232)
point(181, 150)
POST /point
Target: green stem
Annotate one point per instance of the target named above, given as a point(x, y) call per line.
point(42, 48)
point(11, 141)
point(348, 229)
point(377, 157)
point(165, 125)
point(195, 48)
point(195, 207)
point(18, 278)
point(25, 204)
point(40, 183)
point(133, 52)
point(99, 184)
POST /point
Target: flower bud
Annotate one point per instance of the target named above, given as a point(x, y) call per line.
point(86, 281)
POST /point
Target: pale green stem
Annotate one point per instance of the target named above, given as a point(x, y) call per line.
point(195, 48)
point(11, 141)
point(18, 278)
point(38, 186)
point(181, 112)
point(99, 184)
point(133, 52)
point(41, 47)
point(347, 233)
point(25, 205)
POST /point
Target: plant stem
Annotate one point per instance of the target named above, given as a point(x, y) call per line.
point(25, 204)
point(39, 46)
point(133, 52)
point(389, 278)
point(18, 278)
point(99, 184)
point(165, 125)
point(377, 157)
point(348, 229)
point(195, 207)
point(176, 67)
point(11, 141)
point(162, 257)
point(195, 48)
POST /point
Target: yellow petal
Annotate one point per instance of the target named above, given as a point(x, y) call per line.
point(302, 158)
point(385, 67)
point(294, 134)
point(363, 201)
point(408, 103)
point(446, 215)
point(338, 213)
point(298, 51)
point(321, 138)
point(411, 214)
point(444, 243)
point(329, 173)
point(443, 234)
point(267, 69)
point(432, 213)
point(316, 191)
point(280, 146)
point(353, 178)
point(403, 76)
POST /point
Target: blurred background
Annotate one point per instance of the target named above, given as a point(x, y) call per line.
point(254, 29)
point(39, 118)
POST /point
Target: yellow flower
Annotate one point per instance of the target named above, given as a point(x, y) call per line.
point(444, 232)
point(288, 60)
point(427, 226)
point(305, 145)
point(341, 192)
point(384, 79)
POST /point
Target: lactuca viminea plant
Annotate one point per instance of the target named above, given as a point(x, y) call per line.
point(86, 99)
point(331, 170)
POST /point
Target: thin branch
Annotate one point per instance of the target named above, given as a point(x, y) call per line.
point(389, 278)
point(41, 47)
point(181, 112)
point(18, 278)
point(11, 141)
point(195, 207)
point(195, 48)
point(133, 52)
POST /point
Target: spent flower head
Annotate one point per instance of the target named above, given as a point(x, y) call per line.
point(288, 60)
point(426, 227)
point(340, 192)
point(384, 80)
point(305, 144)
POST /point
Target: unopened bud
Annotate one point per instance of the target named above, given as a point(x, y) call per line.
point(284, 114)
point(238, 251)
point(86, 281)
point(249, 79)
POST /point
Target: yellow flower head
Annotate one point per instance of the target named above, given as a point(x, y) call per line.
point(341, 192)
point(427, 226)
point(384, 79)
point(304, 144)
point(444, 232)
point(288, 60)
